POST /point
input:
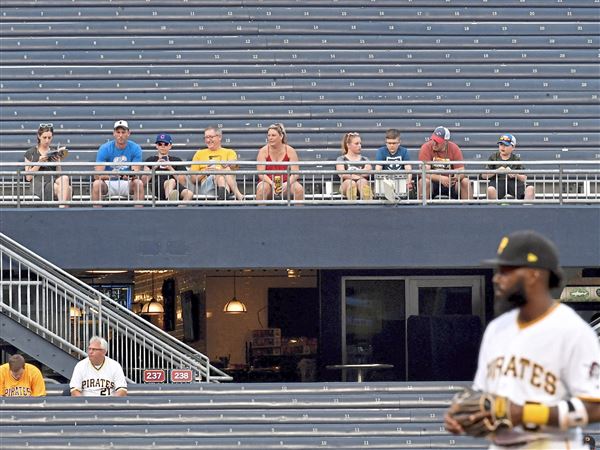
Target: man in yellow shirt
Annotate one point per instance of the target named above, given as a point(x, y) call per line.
point(20, 379)
point(216, 184)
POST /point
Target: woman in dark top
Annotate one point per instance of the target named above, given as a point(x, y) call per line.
point(354, 184)
point(47, 187)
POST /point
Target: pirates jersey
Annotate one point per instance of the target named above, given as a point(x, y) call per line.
point(97, 381)
point(31, 383)
point(550, 359)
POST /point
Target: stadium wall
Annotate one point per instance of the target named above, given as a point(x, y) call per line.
point(318, 237)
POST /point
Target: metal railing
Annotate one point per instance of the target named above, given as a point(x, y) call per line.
point(558, 182)
point(67, 312)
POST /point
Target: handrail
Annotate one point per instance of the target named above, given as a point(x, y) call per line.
point(573, 181)
point(53, 296)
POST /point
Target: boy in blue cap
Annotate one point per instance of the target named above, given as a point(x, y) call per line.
point(504, 181)
point(167, 187)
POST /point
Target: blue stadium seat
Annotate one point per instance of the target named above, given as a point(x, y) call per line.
point(321, 69)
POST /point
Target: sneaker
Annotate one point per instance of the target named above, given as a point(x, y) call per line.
point(221, 193)
point(174, 195)
point(366, 193)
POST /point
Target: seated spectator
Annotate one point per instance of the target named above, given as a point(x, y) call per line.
point(98, 375)
point(119, 150)
point(277, 150)
point(21, 379)
point(393, 152)
point(354, 183)
point(48, 187)
point(167, 187)
point(223, 186)
point(503, 181)
point(440, 151)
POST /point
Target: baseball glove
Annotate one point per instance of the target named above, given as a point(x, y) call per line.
point(479, 413)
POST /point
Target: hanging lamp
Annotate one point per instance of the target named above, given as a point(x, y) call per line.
point(153, 307)
point(234, 306)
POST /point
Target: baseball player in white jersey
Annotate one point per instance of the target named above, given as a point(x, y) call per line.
point(98, 375)
point(539, 361)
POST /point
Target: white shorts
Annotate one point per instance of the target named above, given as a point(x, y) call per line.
point(206, 187)
point(118, 188)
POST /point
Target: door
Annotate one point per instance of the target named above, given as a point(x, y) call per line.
point(377, 312)
point(444, 326)
point(373, 322)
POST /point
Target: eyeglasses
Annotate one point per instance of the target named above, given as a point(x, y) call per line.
point(92, 349)
point(46, 125)
point(214, 136)
point(163, 144)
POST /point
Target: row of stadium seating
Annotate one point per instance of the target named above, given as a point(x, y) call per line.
point(255, 11)
point(365, 38)
point(316, 415)
point(322, 69)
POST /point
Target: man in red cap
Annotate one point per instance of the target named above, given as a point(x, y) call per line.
point(437, 153)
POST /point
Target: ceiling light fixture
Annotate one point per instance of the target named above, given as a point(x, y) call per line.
point(234, 306)
point(153, 307)
point(107, 271)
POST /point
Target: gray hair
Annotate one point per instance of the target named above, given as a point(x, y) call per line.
point(217, 130)
point(101, 341)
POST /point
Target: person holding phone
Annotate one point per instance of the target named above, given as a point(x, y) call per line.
point(167, 186)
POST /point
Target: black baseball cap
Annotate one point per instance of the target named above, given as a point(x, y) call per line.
point(529, 249)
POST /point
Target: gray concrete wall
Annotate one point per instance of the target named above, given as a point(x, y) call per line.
point(302, 237)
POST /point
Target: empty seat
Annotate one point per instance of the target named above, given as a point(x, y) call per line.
point(320, 69)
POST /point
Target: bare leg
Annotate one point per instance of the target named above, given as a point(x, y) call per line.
point(62, 190)
point(465, 189)
point(99, 188)
point(349, 189)
point(136, 188)
point(298, 191)
point(364, 188)
point(263, 191)
point(427, 188)
point(233, 187)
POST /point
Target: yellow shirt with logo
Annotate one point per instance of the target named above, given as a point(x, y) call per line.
point(222, 154)
point(31, 383)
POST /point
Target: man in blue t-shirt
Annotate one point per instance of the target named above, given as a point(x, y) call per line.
point(395, 154)
point(118, 183)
